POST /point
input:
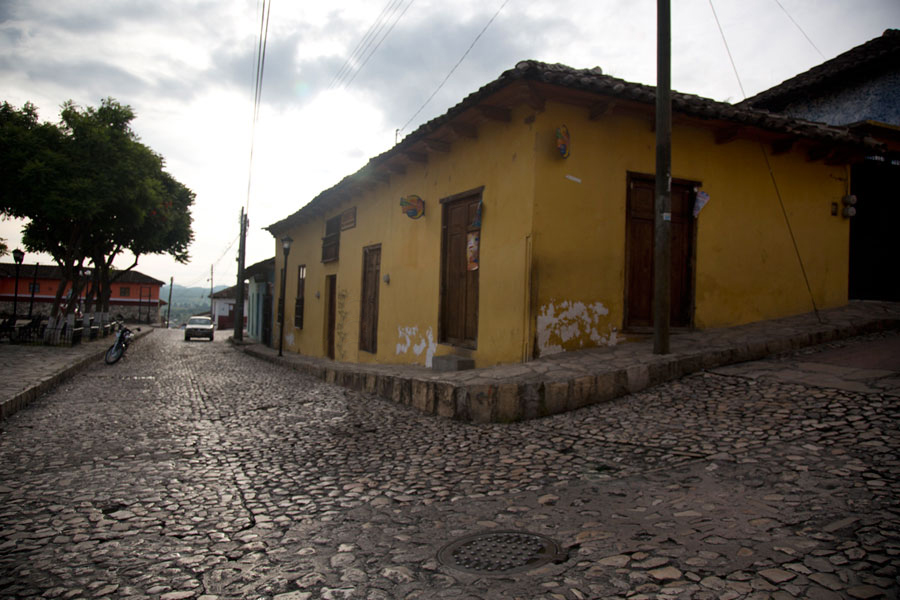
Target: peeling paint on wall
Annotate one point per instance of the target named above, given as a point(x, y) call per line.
point(289, 338)
point(569, 325)
point(410, 339)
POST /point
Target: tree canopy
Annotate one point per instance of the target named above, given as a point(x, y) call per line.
point(90, 190)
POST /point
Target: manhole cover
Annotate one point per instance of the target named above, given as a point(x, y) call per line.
point(500, 552)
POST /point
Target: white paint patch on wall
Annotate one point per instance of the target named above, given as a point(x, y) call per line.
point(410, 339)
point(289, 338)
point(568, 321)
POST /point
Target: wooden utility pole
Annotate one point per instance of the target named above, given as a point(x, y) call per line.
point(169, 308)
point(662, 238)
point(239, 303)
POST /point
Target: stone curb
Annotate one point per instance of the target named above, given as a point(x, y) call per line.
point(510, 401)
point(11, 406)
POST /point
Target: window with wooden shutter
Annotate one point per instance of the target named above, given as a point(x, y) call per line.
point(301, 294)
point(332, 240)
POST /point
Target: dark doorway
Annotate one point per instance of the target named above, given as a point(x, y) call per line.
point(460, 257)
point(639, 252)
point(368, 317)
point(267, 316)
point(331, 317)
point(874, 245)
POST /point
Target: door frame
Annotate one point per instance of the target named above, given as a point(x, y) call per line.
point(330, 314)
point(362, 299)
point(691, 259)
point(442, 334)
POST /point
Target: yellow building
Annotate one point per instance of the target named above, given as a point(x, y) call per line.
point(520, 224)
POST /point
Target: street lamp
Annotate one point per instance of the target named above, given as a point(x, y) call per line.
point(286, 248)
point(18, 256)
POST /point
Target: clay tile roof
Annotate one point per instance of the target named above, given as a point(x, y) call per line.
point(54, 272)
point(595, 82)
point(859, 63)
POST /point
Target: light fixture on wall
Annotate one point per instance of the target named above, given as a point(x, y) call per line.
point(387, 278)
point(286, 248)
point(849, 206)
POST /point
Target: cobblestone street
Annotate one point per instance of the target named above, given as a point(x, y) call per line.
point(191, 470)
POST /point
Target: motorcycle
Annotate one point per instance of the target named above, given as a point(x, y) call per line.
point(123, 338)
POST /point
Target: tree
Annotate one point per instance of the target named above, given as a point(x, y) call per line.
point(90, 191)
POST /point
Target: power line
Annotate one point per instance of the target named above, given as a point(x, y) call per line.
point(465, 54)
point(378, 45)
point(797, 25)
point(369, 32)
point(367, 50)
point(257, 86)
point(787, 220)
point(728, 50)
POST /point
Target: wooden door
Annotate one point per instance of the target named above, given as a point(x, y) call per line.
point(639, 253)
point(331, 320)
point(267, 317)
point(459, 271)
point(368, 312)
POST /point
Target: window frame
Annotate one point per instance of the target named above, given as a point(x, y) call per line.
point(300, 301)
point(331, 243)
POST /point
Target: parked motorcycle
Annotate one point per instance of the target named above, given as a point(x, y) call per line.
point(123, 338)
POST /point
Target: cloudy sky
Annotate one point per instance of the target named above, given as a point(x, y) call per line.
point(187, 68)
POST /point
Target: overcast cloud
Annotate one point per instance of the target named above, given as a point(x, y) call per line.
point(187, 69)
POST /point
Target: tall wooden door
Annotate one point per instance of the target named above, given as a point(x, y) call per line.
point(368, 317)
point(331, 317)
point(639, 253)
point(461, 242)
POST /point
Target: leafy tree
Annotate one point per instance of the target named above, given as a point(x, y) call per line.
point(91, 190)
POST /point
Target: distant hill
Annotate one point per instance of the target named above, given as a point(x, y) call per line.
point(186, 301)
point(188, 295)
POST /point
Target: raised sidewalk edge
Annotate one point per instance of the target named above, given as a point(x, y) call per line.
point(602, 377)
point(11, 406)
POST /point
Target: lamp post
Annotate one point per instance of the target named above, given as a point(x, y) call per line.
point(18, 256)
point(33, 287)
point(286, 248)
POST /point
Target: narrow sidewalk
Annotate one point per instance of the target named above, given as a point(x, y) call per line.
point(572, 380)
point(28, 371)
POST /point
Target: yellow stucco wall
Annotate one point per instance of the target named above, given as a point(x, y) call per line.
point(501, 160)
point(566, 218)
point(746, 268)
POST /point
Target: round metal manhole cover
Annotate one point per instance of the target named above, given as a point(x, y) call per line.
point(500, 552)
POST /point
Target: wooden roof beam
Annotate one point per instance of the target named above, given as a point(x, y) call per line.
point(416, 157)
point(495, 113)
point(464, 130)
point(728, 134)
point(436, 145)
point(819, 152)
point(782, 146)
point(396, 168)
point(600, 109)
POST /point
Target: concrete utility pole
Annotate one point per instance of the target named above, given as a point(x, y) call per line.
point(239, 304)
point(169, 308)
point(662, 238)
point(211, 315)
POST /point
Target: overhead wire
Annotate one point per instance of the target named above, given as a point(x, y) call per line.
point(728, 50)
point(378, 45)
point(762, 147)
point(370, 46)
point(257, 86)
point(453, 69)
point(369, 32)
point(797, 25)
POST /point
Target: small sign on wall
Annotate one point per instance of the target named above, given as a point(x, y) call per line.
point(472, 243)
point(348, 219)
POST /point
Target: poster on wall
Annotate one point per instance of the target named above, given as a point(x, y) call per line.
point(472, 251)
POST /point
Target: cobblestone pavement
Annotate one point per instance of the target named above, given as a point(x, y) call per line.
point(191, 470)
